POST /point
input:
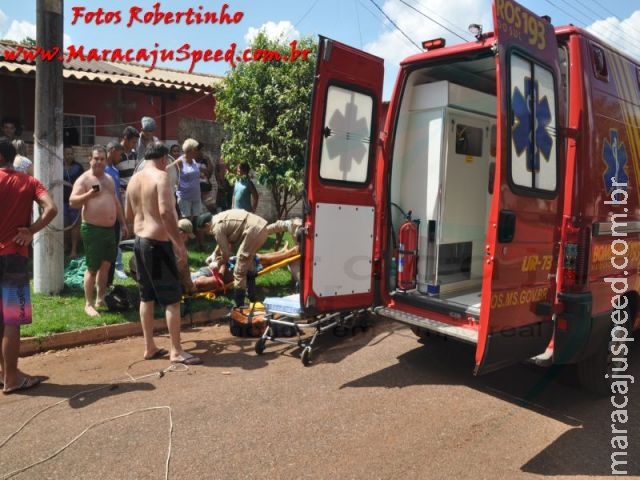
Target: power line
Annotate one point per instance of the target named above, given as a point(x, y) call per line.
point(396, 26)
point(355, 7)
point(616, 37)
point(304, 15)
point(435, 21)
point(604, 8)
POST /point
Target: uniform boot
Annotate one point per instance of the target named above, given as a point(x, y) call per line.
point(251, 286)
point(239, 297)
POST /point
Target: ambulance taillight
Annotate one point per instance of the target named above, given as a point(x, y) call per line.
point(575, 258)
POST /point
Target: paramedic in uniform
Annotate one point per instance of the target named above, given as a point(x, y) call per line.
point(247, 230)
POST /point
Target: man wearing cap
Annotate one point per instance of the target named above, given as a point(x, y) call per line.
point(247, 230)
point(158, 249)
point(146, 135)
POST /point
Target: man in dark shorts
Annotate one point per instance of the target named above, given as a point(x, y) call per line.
point(158, 248)
point(18, 191)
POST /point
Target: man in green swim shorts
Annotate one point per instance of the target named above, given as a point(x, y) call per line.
point(94, 192)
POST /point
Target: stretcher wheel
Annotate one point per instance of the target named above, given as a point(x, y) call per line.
point(306, 356)
point(259, 348)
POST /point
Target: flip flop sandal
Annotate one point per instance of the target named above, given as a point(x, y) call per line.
point(161, 352)
point(193, 360)
point(26, 383)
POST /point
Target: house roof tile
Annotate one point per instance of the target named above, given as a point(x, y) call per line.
point(111, 72)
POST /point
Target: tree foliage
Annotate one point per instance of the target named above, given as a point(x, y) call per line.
point(265, 106)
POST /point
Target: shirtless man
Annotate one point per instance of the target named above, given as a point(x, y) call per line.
point(94, 192)
point(158, 247)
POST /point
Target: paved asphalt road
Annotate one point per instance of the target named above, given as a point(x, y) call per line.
point(373, 405)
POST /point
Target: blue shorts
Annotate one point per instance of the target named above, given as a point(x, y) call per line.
point(15, 298)
point(70, 215)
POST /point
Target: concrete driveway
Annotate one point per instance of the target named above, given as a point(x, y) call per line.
point(373, 405)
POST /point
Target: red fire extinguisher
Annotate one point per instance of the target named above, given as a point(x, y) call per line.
point(408, 254)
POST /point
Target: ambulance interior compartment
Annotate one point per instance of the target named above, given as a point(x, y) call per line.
point(445, 145)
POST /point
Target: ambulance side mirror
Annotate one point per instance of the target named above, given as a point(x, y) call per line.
point(492, 176)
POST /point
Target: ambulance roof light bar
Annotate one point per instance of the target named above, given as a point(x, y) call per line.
point(433, 44)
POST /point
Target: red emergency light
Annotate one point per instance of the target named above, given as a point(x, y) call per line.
point(433, 44)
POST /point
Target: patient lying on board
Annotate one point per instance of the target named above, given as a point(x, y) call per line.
point(207, 278)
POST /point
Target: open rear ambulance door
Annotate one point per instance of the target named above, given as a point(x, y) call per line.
point(519, 271)
point(337, 261)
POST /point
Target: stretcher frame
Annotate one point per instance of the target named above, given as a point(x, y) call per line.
point(285, 317)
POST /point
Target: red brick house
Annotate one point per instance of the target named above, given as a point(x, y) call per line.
point(101, 98)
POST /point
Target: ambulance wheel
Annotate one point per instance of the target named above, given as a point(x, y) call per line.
point(306, 356)
point(421, 333)
point(259, 348)
point(592, 370)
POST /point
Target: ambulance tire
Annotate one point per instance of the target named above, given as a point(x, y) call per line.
point(422, 334)
point(592, 370)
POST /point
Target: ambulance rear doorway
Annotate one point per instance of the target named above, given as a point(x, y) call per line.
point(442, 168)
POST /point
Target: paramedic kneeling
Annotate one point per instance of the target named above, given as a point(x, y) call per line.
point(247, 230)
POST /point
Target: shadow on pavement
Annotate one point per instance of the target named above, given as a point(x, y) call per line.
point(81, 396)
point(585, 449)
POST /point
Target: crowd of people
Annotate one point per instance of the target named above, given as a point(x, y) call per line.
point(164, 197)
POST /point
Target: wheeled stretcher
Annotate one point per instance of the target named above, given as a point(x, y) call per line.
point(287, 312)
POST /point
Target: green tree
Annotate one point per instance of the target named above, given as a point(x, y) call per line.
point(265, 108)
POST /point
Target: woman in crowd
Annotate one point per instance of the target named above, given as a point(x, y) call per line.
point(188, 186)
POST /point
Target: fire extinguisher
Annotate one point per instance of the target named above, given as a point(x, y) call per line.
point(408, 254)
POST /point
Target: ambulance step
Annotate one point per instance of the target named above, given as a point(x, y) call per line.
point(449, 307)
point(464, 334)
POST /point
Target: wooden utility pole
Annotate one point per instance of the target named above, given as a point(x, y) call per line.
point(48, 245)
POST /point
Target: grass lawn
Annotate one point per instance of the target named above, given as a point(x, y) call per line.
point(65, 312)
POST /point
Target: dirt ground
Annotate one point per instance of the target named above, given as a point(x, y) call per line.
point(374, 404)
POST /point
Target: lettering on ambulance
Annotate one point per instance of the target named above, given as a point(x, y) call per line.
point(532, 263)
point(601, 255)
point(518, 22)
point(513, 298)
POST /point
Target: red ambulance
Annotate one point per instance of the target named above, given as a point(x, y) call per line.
point(495, 203)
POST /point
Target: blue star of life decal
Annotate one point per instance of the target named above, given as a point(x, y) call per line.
point(524, 132)
point(614, 155)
